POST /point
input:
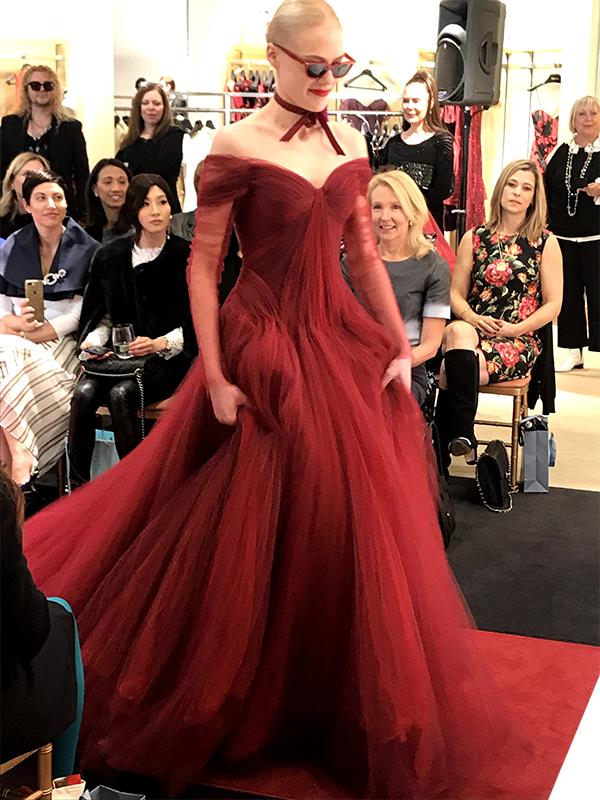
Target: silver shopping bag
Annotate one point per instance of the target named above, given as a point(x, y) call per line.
point(539, 452)
point(106, 793)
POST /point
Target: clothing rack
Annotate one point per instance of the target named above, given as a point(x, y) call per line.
point(222, 104)
point(531, 67)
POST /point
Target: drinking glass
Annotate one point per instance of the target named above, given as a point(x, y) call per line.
point(122, 336)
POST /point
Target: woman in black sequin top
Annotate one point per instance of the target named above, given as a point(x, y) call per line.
point(425, 148)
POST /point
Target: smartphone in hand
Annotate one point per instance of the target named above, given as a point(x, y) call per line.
point(96, 350)
point(34, 292)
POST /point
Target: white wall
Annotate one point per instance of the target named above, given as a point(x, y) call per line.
point(150, 40)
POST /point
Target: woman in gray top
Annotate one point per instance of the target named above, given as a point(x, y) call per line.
point(420, 277)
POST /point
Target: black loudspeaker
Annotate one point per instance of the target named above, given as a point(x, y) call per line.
point(468, 61)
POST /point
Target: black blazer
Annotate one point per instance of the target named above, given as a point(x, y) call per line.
point(161, 156)
point(24, 609)
point(39, 689)
point(67, 154)
point(153, 297)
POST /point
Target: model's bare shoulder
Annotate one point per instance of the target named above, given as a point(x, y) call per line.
point(243, 138)
point(227, 142)
point(352, 142)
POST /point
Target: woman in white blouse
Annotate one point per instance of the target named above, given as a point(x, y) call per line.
point(37, 359)
point(138, 280)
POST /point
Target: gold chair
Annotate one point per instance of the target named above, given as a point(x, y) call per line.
point(516, 389)
point(44, 774)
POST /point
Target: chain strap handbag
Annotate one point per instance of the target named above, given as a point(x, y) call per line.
point(114, 368)
point(493, 478)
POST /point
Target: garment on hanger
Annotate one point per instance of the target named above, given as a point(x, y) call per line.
point(546, 137)
point(352, 104)
point(120, 130)
point(195, 149)
point(453, 117)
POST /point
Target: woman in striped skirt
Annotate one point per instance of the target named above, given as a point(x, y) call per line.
point(38, 364)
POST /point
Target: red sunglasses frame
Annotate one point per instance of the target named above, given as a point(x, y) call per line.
point(328, 65)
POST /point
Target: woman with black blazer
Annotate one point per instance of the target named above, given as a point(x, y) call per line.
point(153, 143)
point(45, 127)
point(39, 687)
point(138, 280)
point(572, 181)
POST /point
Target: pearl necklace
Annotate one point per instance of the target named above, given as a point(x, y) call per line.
point(572, 208)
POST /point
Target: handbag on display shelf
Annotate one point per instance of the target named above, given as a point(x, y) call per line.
point(112, 367)
point(492, 474)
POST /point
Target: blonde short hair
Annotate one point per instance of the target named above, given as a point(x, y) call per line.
point(582, 102)
point(413, 205)
point(295, 14)
point(8, 201)
point(533, 224)
point(58, 110)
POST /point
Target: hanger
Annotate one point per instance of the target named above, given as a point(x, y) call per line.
point(366, 73)
point(553, 78)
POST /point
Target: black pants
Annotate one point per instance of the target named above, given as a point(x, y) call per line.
point(123, 400)
point(581, 270)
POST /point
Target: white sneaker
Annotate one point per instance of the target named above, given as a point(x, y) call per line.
point(573, 361)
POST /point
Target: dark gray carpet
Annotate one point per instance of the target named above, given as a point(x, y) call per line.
point(534, 571)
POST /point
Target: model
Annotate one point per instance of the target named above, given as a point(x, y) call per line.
point(263, 578)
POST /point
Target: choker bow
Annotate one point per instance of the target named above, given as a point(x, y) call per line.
point(308, 119)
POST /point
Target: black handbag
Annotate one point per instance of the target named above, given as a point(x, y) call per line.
point(446, 515)
point(493, 477)
point(114, 368)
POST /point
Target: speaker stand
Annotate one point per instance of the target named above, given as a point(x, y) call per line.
point(461, 222)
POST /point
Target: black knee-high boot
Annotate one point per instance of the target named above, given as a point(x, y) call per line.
point(462, 377)
point(82, 436)
point(442, 423)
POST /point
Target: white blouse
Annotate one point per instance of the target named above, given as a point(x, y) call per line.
point(63, 315)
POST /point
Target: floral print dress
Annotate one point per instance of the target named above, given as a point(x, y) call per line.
point(506, 285)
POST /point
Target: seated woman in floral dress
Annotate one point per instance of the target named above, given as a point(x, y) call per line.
point(506, 285)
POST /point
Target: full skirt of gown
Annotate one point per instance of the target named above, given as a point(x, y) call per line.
point(277, 591)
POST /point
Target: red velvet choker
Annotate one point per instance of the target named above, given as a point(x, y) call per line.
point(308, 118)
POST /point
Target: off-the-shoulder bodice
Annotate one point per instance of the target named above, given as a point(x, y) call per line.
point(280, 217)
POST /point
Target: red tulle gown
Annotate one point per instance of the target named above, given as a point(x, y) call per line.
point(276, 591)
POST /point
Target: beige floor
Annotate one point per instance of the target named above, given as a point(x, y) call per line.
point(576, 425)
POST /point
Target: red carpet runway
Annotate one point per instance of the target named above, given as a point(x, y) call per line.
point(547, 686)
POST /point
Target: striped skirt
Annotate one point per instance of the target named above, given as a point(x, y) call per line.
point(36, 384)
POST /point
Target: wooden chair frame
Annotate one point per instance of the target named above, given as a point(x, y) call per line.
point(516, 389)
point(44, 774)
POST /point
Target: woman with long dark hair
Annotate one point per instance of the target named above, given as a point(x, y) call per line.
point(153, 144)
point(139, 280)
point(105, 196)
point(424, 149)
